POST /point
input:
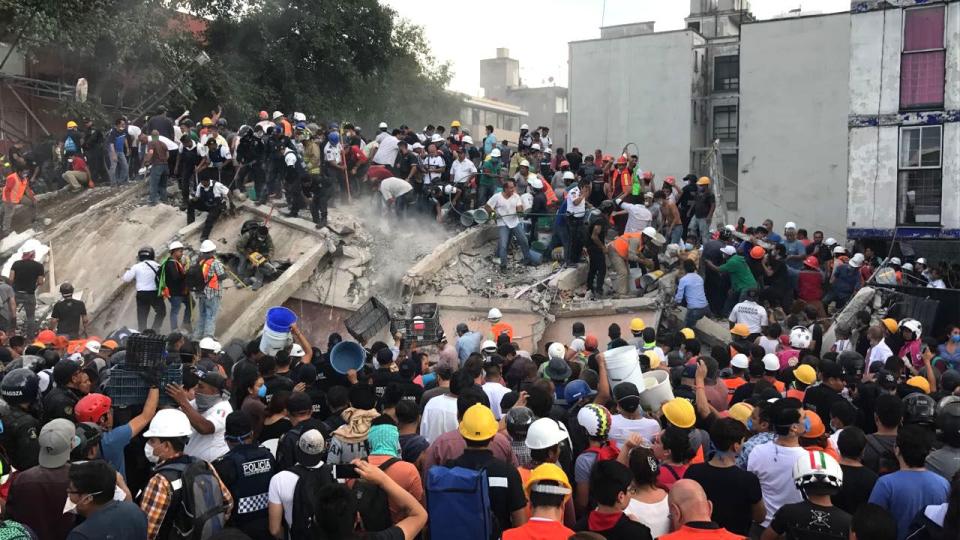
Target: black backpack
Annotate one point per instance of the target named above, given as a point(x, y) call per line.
point(305, 526)
point(193, 278)
point(198, 505)
point(372, 503)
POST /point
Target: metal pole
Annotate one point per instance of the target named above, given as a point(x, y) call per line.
point(27, 108)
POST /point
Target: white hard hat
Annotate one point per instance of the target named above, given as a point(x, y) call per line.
point(383, 125)
point(168, 423)
point(729, 251)
point(912, 325)
point(800, 337)
point(568, 175)
point(729, 227)
point(535, 146)
point(436, 137)
point(895, 261)
point(30, 246)
point(449, 189)
point(817, 469)
point(416, 146)
point(830, 242)
point(524, 126)
point(290, 159)
point(771, 362)
point(921, 260)
point(494, 314)
point(556, 350)
point(489, 346)
point(210, 344)
point(93, 346)
point(908, 267)
point(495, 152)
point(176, 244)
point(650, 231)
point(299, 117)
point(277, 114)
point(297, 351)
point(790, 225)
point(524, 163)
point(839, 250)
point(207, 246)
point(534, 181)
point(740, 361)
point(544, 433)
point(467, 139)
point(856, 260)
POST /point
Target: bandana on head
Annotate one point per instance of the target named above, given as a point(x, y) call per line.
point(384, 440)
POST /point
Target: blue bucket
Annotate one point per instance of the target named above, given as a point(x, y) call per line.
point(347, 355)
point(280, 319)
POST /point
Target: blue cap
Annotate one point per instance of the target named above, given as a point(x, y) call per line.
point(334, 125)
point(577, 390)
point(301, 125)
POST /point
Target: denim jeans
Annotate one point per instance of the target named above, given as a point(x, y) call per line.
point(207, 309)
point(693, 315)
point(158, 184)
point(119, 171)
point(701, 228)
point(176, 302)
point(504, 242)
point(676, 234)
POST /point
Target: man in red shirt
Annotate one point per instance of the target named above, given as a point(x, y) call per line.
point(78, 173)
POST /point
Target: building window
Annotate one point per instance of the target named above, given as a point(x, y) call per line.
point(730, 164)
point(726, 73)
point(922, 63)
point(561, 106)
point(919, 178)
point(725, 123)
point(695, 26)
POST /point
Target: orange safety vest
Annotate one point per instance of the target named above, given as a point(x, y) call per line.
point(621, 244)
point(779, 386)
point(212, 282)
point(14, 189)
point(501, 328)
point(794, 393)
point(732, 385)
point(548, 191)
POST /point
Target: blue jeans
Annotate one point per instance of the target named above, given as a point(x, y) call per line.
point(158, 183)
point(119, 171)
point(694, 315)
point(176, 302)
point(701, 228)
point(504, 242)
point(676, 234)
point(207, 309)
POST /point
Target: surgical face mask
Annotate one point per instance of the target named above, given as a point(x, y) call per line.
point(750, 424)
point(955, 338)
point(262, 392)
point(205, 401)
point(148, 452)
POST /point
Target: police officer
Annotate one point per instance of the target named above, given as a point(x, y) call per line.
point(209, 198)
point(21, 423)
point(72, 384)
point(250, 156)
point(246, 470)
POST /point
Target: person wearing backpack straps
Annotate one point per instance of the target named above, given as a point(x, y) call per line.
point(181, 486)
point(246, 470)
point(146, 273)
point(384, 441)
point(292, 494)
point(208, 290)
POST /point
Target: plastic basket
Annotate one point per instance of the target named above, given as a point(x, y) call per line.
point(145, 351)
point(364, 323)
point(424, 329)
point(126, 388)
point(423, 310)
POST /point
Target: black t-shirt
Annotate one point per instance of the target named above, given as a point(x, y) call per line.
point(878, 454)
point(624, 529)
point(733, 492)
point(25, 276)
point(504, 499)
point(382, 377)
point(68, 313)
point(274, 430)
point(820, 399)
point(857, 484)
point(403, 164)
point(808, 521)
point(276, 383)
point(742, 392)
point(702, 203)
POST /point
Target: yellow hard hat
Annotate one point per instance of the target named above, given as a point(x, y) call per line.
point(478, 423)
point(206, 121)
point(805, 374)
point(680, 413)
point(654, 357)
point(703, 181)
point(741, 412)
point(920, 382)
point(688, 333)
point(740, 329)
point(71, 124)
point(548, 472)
point(455, 123)
point(891, 325)
point(637, 324)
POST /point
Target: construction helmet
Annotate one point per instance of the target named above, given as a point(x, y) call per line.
point(206, 121)
point(66, 289)
point(494, 315)
point(812, 262)
point(919, 382)
point(890, 324)
point(495, 152)
point(800, 337)
point(20, 386)
point(207, 246)
point(948, 420)
point(277, 115)
point(741, 412)
point(455, 123)
point(175, 245)
point(771, 362)
point(548, 472)
point(478, 423)
point(814, 423)
point(805, 374)
point(688, 333)
point(679, 412)
point(524, 163)
point(489, 346)
point(595, 419)
point(637, 324)
point(650, 232)
point(817, 469)
point(740, 361)
point(71, 125)
point(544, 433)
point(757, 252)
point(264, 115)
point(145, 253)
point(169, 423)
point(740, 329)
point(92, 407)
point(912, 325)
point(919, 409)
point(568, 175)
point(518, 420)
point(556, 350)
point(703, 181)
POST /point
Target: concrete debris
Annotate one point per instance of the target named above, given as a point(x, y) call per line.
point(14, 240)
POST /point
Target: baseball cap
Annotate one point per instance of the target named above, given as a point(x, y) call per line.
point(214, 379)
point(64, 369)
point(728, 251)
point(577, 390)
point(238, 426)
point(309, 449)
point(886, 380)
point(57, 439)
point(299, 402)
point(625, 390)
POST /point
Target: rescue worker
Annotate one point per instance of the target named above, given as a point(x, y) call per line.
point(596, 248)
point(21, 421)
point(14, 188)
point(72, 384)
point(292, 174)
point(623, 250)
point(319, 184)
point(210, 197)
point(497, 327)
point(69, 316)
point(173, 285)
point(255, 241)
point(250, 157)
point(146, 273)
point(26, 275)
point(246, 470)
point(650, 253)
point(208, 300)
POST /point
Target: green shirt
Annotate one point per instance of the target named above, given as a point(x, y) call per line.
point(741, 278)
point(489, 171)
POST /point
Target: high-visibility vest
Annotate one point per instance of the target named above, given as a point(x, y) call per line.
point(501, 328)
point(212, 281)
point(548, 191)
point(14, 189)
point(621, 244)
point(732, 385)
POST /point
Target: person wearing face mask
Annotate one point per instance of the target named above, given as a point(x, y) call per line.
point(162, 498)
point(610, 486)
point(246, 470)
point(948, 352)
point(207, 412)
point(91, 489)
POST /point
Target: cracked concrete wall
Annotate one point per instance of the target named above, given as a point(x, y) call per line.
point(875, 62)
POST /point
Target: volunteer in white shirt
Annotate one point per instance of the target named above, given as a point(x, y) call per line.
point(394, 192)
point(576, 211)
point(750, 313)
point(433, 164)
point(639, 217)
point(462, 169)
point(506, 204)
point(207, 413)
point(386, 153)
point(145, 274)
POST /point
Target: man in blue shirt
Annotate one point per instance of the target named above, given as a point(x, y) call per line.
point(96, 408)
point(911, 489)
point(690, 290)
point(468, 342)
point(772, 236)
point(796, 251)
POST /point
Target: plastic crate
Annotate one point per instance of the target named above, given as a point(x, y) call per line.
point(423, 310)
point(126, 388)
point(425, 329)
point(145, 351)
point(368, 320)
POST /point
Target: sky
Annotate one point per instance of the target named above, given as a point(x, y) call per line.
point(466, 36)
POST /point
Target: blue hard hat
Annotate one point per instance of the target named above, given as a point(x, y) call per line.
point(333, 137)
point(577, 390)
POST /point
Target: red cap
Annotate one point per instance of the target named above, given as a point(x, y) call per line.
point(564, 163)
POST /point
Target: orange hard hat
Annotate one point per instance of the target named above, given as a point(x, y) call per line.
point(757, 252)
point(816, 428)
point(670, 180)
point(47, 337)
point(264, 115)
point(622, 160)
point(109, 344)
point(812, 262)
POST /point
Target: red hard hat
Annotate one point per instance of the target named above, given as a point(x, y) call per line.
point(812, 262)
point(92, 407)
point(264, 115)
point(622, 160)
point(647, 175)
point(564, 163)
point(670, 180)
point(757, 252)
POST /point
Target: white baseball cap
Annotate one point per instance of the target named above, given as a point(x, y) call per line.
point(728, 250)
point(790, 225)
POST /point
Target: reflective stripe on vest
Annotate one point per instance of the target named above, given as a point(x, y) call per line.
point(212, 281)
point(14, 189)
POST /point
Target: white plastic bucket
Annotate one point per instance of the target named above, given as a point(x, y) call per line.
point(273, 342)
point(657, 389)
point(623, 363)
point(635, 275)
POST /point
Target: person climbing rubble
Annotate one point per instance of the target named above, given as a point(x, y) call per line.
point(623, 250)
point(146, 274)
point(255, 249)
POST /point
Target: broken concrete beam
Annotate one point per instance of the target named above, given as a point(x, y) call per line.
point(14, 240)
point(570, 279)
point(441, 255)
point(294, 223)
point(342, 226)
point(474, 303)
point(357, 253)
point(610, 305)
